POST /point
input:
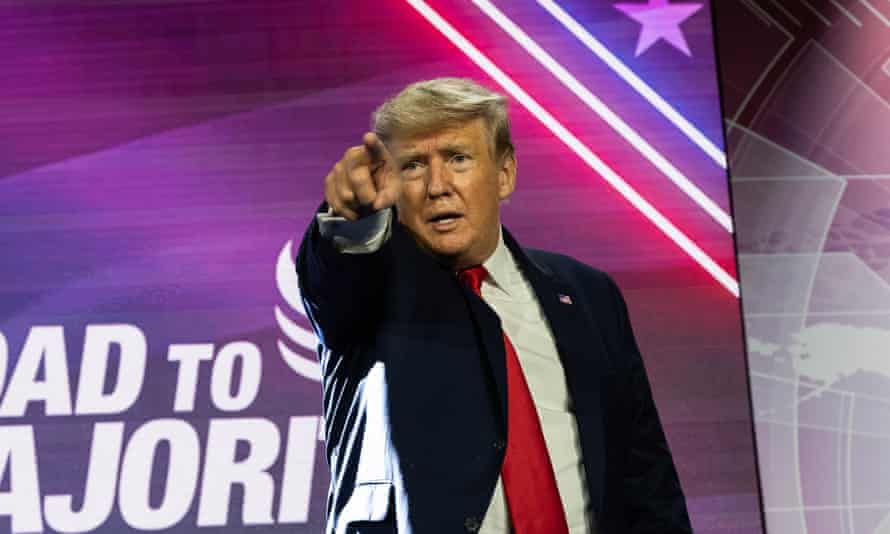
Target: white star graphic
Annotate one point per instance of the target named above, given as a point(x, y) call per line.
point(660, 20)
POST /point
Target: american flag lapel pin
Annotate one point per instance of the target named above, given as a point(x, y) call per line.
point(565, 299)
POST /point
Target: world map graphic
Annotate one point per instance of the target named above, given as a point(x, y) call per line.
point(811, 192)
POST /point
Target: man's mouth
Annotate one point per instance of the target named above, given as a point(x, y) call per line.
point(445, 220)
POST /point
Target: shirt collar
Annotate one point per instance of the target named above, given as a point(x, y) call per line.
point(502, 269)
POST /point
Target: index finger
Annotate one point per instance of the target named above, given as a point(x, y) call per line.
point(375, 147)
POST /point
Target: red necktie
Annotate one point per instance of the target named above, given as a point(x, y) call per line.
point(529, 482)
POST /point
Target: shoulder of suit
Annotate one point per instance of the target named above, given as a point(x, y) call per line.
point(591, 281)
point(601, 295)
point(568, 267)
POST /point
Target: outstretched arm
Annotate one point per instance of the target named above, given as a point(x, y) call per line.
point(342, 262)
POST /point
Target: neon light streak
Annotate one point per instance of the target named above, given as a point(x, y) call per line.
point(604, 112)
point(579, 148)
point(640, 86)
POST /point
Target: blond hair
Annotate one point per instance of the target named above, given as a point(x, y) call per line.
point(430, 105)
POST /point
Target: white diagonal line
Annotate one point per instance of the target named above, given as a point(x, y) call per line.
point(846, 12)
point(638, 84)
point(875, 12)
point(786, 12)
point(816, 12)
point(603, 111)
point(579, 148)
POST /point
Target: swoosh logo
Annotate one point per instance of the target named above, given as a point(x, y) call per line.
point(296, 339)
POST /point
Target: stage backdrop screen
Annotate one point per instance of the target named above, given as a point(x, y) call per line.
point(160, 160)
point(808, 121)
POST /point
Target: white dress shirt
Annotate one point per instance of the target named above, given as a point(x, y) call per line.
point(507, 291)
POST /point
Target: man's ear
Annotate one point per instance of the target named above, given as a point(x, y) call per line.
point(507, 176)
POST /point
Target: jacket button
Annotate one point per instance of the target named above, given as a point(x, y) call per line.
point(472, 524)
point(499, 445)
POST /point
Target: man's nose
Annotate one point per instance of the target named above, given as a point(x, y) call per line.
point(439, 179)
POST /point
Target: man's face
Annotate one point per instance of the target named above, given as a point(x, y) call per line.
point(451, 191)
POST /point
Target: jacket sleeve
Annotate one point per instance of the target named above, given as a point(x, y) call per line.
point(653, 497)
point(340, 289)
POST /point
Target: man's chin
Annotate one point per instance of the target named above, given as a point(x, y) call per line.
point(450, 256)
point(449, 252)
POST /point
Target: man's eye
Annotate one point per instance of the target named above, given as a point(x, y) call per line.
point(460, 159)
point(412, 170)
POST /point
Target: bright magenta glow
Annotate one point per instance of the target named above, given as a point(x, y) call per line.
point(578, 147)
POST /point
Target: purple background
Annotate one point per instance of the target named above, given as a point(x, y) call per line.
point(156, 158)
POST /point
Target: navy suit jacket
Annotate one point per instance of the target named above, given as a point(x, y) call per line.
point(414, 384)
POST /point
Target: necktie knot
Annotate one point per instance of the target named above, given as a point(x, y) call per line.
point(472, 277)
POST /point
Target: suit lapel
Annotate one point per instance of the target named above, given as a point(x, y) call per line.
point(491, 333)
point(486, 322)
point(580, 346)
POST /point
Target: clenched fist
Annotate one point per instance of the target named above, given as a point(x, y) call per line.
point(364, 181)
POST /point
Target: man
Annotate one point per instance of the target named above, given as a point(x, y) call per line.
point(470, 385)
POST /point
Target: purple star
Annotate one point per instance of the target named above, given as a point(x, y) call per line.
point(660, 20)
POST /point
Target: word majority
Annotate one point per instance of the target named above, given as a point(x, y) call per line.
point(151, 472)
